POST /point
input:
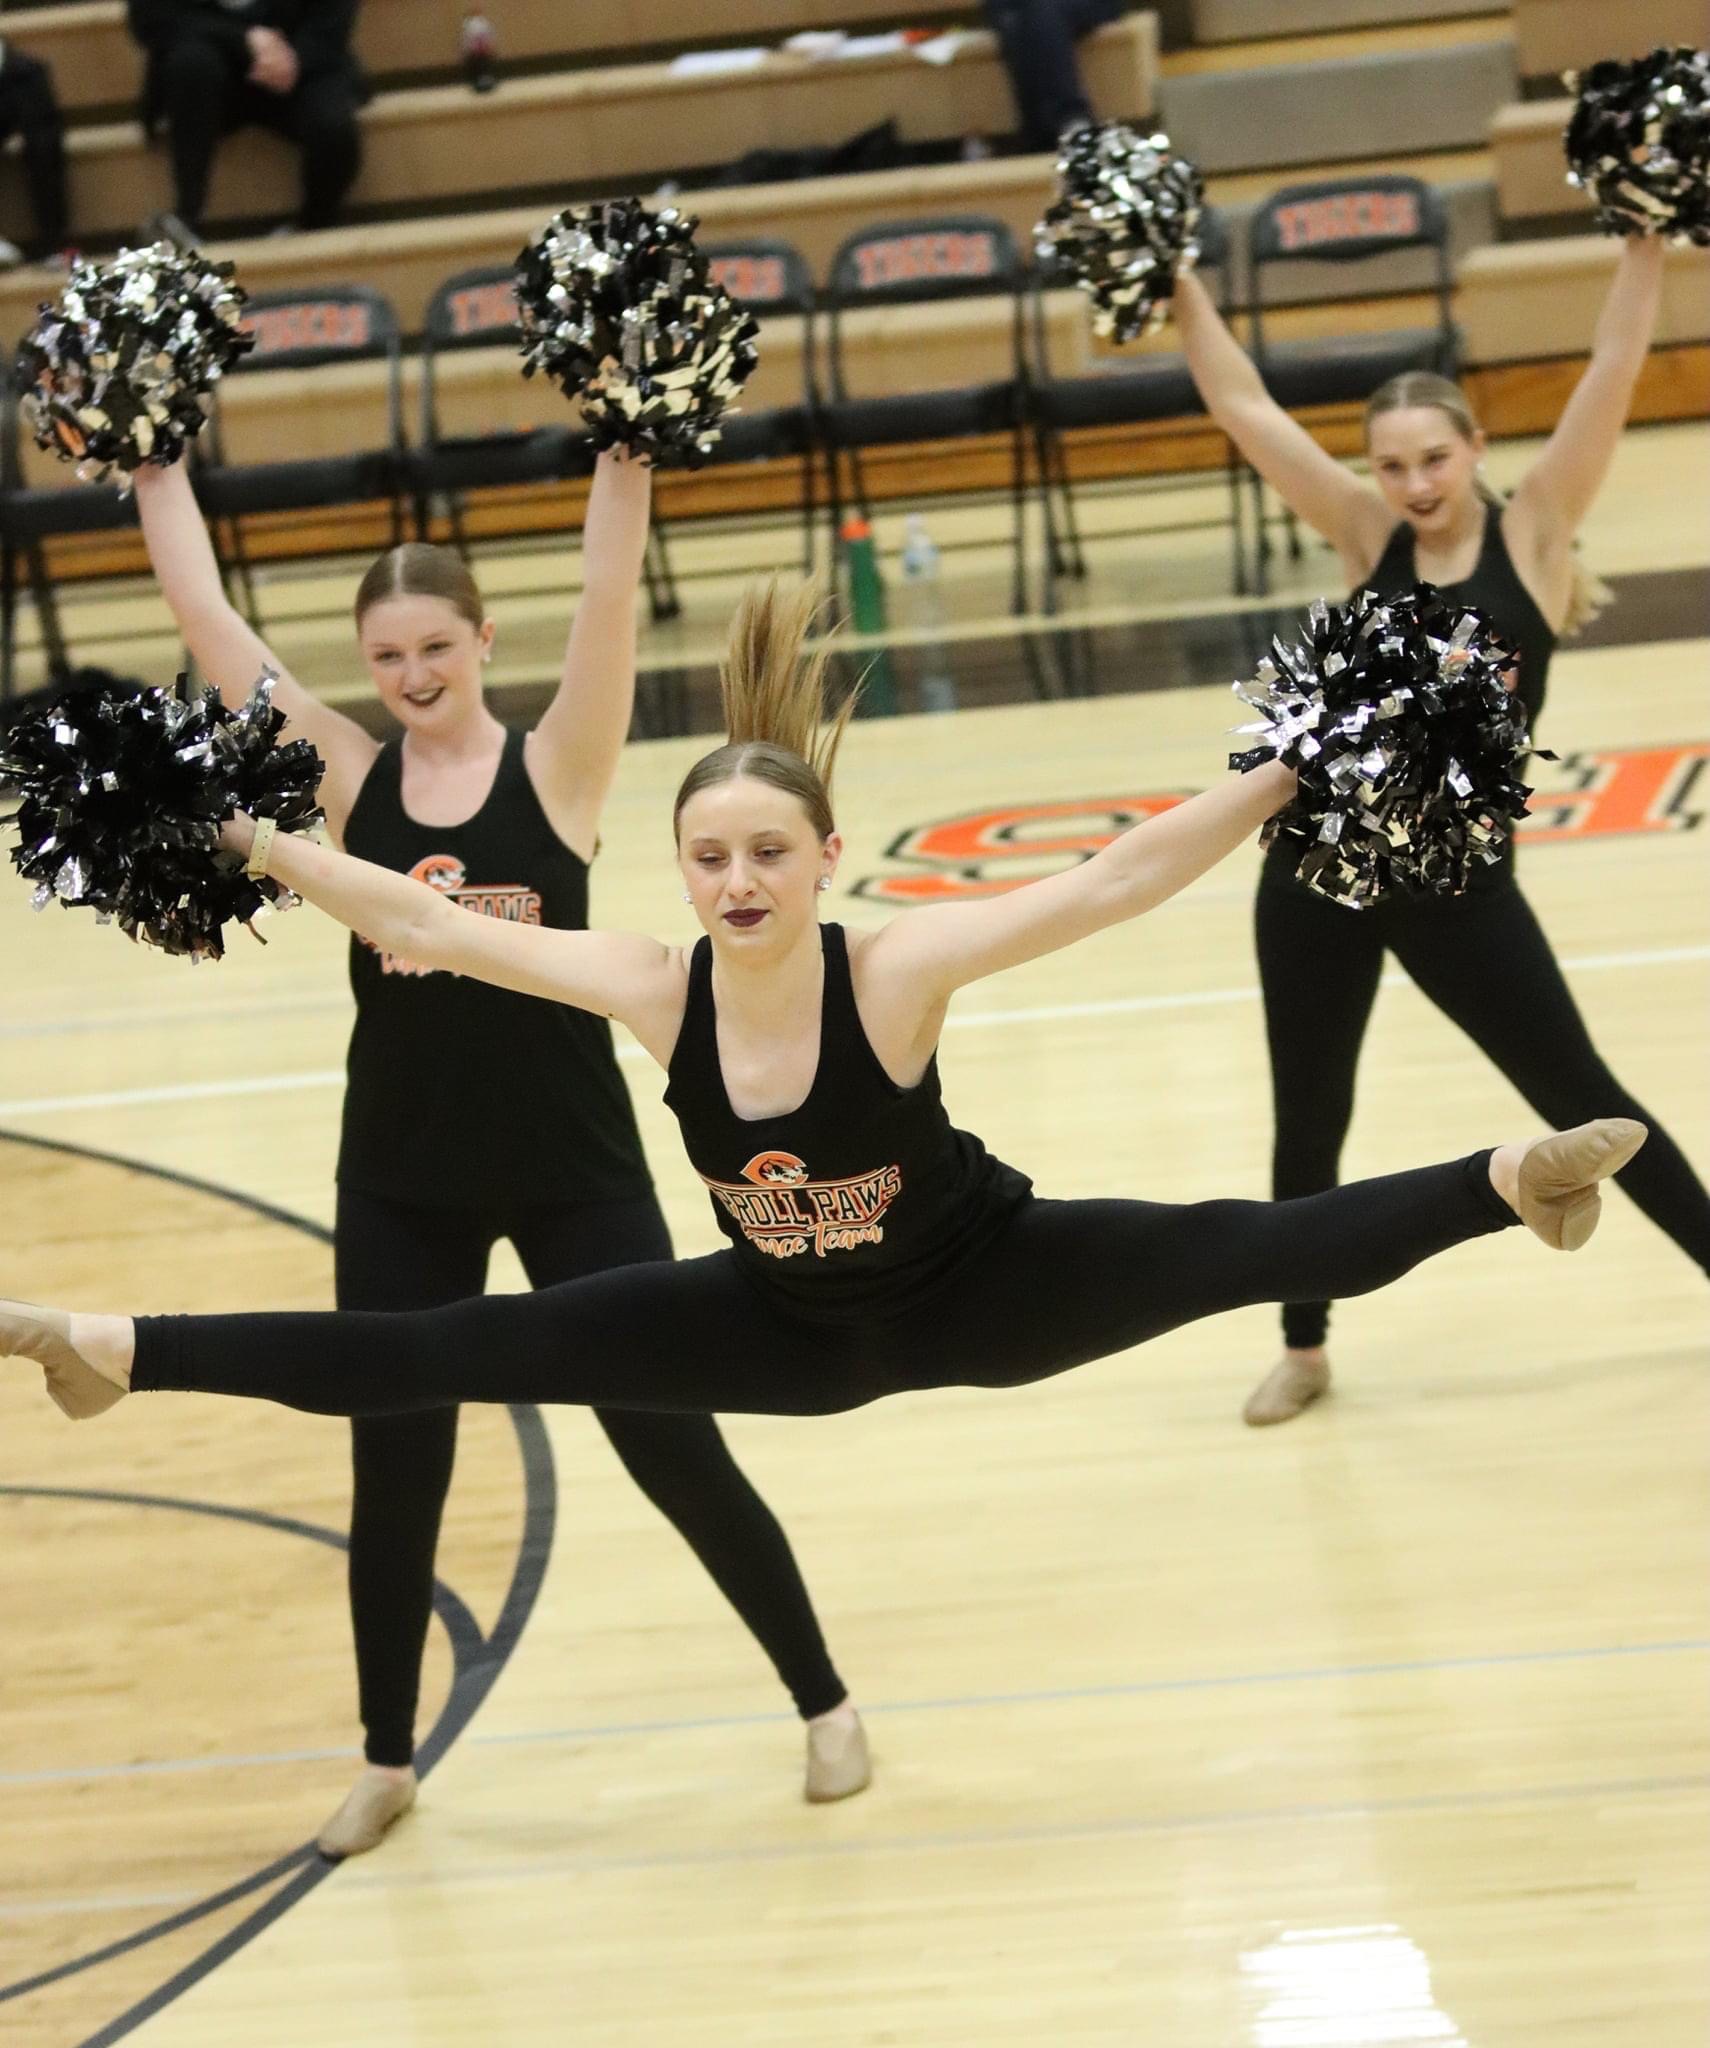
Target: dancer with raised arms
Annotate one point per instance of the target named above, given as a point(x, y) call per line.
point(472, 1114)
point(1482, 958)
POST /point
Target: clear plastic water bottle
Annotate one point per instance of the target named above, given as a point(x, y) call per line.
point(924, 604)
point(479, 48)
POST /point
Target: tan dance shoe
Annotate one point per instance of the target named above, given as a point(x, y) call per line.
point(1559, 1198)
point(373, 1804)
point(839, 1764)
point(1287, 1390)
point(44, 1334)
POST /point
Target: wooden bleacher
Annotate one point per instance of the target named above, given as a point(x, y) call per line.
point(602, 128)
point(1242, 21)
point(592, 122)
point(1553, 36)
point(1531, 171)
point(1538, 301)
point(97, 66)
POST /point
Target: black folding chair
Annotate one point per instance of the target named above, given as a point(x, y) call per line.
point(30, 516)
point(915, 262)
point(1345, 221)
point(307, 330)
point(770, 278)
point(477, 309)
point(1121, 390)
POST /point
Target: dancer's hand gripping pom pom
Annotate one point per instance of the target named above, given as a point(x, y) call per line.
point(1639, 143)
point(124, 789)
point(1408, 743)
point(617, 305)
point(117, 370)
point(1123, 225)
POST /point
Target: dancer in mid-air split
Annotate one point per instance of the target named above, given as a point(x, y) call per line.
point(873, 1248)
point(1481, 957)
point(471, 1114)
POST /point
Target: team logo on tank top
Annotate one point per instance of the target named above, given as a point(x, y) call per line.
point(785, 1213)
point(444, 872)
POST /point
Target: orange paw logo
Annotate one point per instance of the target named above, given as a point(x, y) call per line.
point(441, 871)
point(776, 1170)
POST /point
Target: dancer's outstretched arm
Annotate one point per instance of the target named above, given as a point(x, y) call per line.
point(228, 650)
point(637, 980)
point(933, 952)
point(1557, 491)
point(1309, 479)
point(573, 752)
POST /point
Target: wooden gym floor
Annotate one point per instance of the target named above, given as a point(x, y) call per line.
point(1387, 1726)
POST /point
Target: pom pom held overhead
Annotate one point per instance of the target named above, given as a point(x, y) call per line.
point(124, 788)
point(618, 306)
point(1407, 741)
point(1639, 143)
point(117, 370)
point(1123, 225)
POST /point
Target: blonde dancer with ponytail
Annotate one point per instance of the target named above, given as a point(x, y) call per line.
point(872, 1247)
point(1428, 515)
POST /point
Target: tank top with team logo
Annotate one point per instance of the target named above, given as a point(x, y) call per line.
point(861, 1201)
point(463, 1095)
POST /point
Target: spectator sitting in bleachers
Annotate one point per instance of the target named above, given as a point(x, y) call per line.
point(218, 65)
point(1038, 38)
point(28, 108)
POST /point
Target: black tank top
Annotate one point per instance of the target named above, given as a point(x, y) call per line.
point(459, 1094)
point(862, 1201)
point(1495, 587)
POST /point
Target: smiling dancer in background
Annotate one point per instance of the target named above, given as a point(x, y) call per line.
point(1481, 958)
point(473, 1114)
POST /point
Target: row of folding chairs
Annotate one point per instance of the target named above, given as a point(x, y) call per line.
point(828, 428)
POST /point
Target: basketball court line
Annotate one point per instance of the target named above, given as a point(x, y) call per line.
point(1041, 1013)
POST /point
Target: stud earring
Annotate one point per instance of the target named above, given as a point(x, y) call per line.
point(687, 898)
point(824, 883)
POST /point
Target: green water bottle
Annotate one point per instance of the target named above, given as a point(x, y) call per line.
point(867, 615)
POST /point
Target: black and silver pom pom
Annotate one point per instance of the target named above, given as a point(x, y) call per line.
point(1407, 741)
point(123, 790)
point(1639, 143)
point(117, 370)
point(1123, 224)
point(617, 305)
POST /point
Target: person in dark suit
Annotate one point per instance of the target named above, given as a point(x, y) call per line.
point(218, 65)
point(29, 109)
point(1037, 39)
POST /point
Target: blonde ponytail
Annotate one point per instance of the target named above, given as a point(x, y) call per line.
point(1588, 594)
point(773, 686)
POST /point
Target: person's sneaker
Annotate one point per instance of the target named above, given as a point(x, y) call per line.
point(377, 1800)
point(10, 254)
point(839, 1763)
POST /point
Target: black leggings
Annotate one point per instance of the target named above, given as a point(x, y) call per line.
point(1062, 1283)
point(389, 1256)
point(1483, 960)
